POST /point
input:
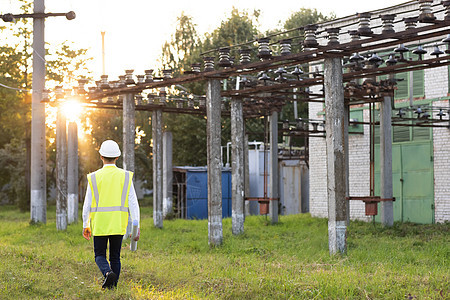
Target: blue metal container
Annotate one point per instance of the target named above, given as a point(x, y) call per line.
point(197, 193)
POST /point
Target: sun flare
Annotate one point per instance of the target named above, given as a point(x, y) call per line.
point(72, 109)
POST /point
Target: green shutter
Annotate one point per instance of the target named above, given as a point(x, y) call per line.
point(402, 91)
point(402, 133)
point(421, 133)
point(418, 83)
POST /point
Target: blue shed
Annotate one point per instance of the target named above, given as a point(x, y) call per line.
point(192, 200)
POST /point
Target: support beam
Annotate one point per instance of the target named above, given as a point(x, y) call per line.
point(237, 166)
point(335, 139)
point(386, 188)
point(38, 207)
point(213, 133)
point(61, 171)
point(72, 173)
point(273, 161)
point(167, 174)
point(157, 168)
point(129, 135)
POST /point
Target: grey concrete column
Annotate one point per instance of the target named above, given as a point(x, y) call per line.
point(237, 166)
point(213, 133)
point(167, 174)
point(246, 176)
point(273, 162)
point(72, 173)
point(335, 139)
point(129, 135)
point(347, 163)
point(61, 171)
point(157, 168)
point(129, 132)
point(38, 195)
point(386, 189)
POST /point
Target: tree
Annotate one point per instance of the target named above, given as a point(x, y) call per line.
point(189, 132)
point(64, 63)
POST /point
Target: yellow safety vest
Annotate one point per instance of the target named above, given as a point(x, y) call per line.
point(110, 187)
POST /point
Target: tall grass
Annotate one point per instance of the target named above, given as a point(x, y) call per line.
point(289, 260)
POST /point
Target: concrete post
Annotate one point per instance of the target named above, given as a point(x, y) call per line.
point(38, 196)
point(237, 166)
point(213, 132)
point(273, 161)
point(335, 139)
point(72, 173)
point(157, 168)
point(167, 174)
point(246, 176)
point(386, 189)
point(129, 135)
point(129, 132)
point(61, 171)
point(347, 163)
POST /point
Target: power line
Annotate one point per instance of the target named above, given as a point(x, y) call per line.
point(16, 89)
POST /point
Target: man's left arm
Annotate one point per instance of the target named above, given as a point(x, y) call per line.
point(133, 206)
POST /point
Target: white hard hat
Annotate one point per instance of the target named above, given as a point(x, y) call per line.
point(109, 148)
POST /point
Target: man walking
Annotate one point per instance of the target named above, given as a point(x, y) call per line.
point(109, 196)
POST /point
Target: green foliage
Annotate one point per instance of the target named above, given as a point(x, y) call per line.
point(289, 260)
point(185, 48)
point(64, 63)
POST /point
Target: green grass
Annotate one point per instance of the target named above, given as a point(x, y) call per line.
point(285, 261)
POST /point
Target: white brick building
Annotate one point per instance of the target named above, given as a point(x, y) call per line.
point(421, 157)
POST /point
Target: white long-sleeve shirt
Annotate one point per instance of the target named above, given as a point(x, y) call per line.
point(133, 205)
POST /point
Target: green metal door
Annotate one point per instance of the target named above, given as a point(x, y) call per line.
point(417, 181)
point(412, 174)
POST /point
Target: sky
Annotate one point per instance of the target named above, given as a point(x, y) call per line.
point(135, 30)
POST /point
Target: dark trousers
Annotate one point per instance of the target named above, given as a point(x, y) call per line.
point(115, 243)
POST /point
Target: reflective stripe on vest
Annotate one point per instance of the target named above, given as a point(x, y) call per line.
point(110, 208)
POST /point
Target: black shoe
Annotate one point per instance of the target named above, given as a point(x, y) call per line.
point(110, 279)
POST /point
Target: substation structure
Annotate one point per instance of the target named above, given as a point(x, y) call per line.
point(267, 75)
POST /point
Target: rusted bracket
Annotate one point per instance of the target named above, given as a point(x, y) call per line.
point(261, 199)
point(370, 198)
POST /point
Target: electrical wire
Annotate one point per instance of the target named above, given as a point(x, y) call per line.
point(13, 88)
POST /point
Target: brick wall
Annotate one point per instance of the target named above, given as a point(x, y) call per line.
point(436, 85)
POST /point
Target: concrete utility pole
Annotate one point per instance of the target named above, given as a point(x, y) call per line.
point(213, 133)
point(386, 188)
point(129, 129)
point(38, 208)
point(274, 193)
point(61, 171)
point(72, 173)
point(237, 166)
point(167, 174)
point(157, 168)
point(335, 139)
point(347, 162)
